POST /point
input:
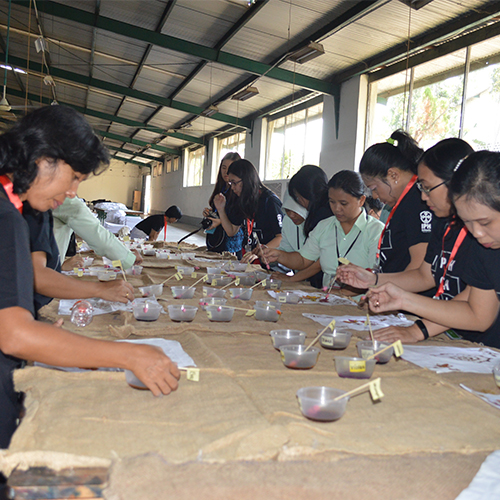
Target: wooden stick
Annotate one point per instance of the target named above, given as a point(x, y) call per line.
point(369, 325)
point(317, 337)
point(168, 279)
point(353, 391)
point(229, 284)
point(257, 284)
point(260, 250)
point(201, 279)
point(381, 350)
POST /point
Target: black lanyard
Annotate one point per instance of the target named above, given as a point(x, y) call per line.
point(352, 244)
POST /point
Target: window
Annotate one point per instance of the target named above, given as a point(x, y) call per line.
point(168, 166)
point(293, 140)
point(194, 168)
point(235, 143)
point(176, 164)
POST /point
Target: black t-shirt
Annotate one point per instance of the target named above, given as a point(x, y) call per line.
point(409, 226)
point(268, 219)
point(41, 225)
point(155, 222)
point(16, 290)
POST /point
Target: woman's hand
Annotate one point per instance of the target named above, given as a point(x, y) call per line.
point(206, 211)
point(220, 202)
point(153, 368)
point(249, 257)
point(70, 264)
point(387, 297)
point(271, 254)
point(407, 334)
point(355, 276)
point(215, 222)
point(116, 291)
point(138, 257)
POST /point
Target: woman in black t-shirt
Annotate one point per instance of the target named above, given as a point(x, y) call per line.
point(257, 209)
point(389, 171)
point(475, 192)
point(43, 159)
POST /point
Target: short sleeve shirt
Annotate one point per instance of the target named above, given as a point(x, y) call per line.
point(155, 222)
point(42, 240)
point(16, 290)
point(409, 226)
point(327, 241)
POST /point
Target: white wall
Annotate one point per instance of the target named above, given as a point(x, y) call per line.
point(117, 183)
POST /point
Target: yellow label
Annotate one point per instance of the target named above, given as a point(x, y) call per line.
point(357, 366)
point(282, 356)
point(331, 325)
point(398, 348)
point(274, 286)
point(116, 263)
point(178, 276)
point(79, 274)
point(79, 244)
point(327, 340)
point(205, 278)
point(126, 238)
point(250, 312)
point(75, 269)
point(204, 293)
point(263, 282)
point(193, 374)
point(282, 299)
point(344, 261)
point(209, 314)
point(194, 275)
point(366, 353)
point(214, 282)
point(375, 389)
point(237, 281)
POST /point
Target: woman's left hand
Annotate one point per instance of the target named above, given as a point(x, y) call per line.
point(70, 264)
point(249, 257)
point(387, 297)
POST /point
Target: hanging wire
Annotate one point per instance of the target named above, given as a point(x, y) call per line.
point(28, 60)
point(7, 52)
point(403, 120)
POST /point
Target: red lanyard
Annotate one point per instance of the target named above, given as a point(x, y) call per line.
point(250, 228)
point(9, 189)
point(165, 228)
point(461, 236)
point(403, 194)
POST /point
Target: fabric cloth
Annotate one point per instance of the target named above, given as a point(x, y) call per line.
point(293, 236)
point(138, 234)
point(42, 240)
point(16, 290)
point(155, 222)
point(74, 216)
point(328, 242)
point(268, 219)
point(409, 226)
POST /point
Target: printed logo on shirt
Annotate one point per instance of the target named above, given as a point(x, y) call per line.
point(280, 220)
point(425, 219)
point(452, 285)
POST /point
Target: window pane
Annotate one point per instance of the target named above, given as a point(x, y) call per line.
point(194, 175)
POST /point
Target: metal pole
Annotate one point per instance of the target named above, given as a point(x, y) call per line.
point(464, 92)
point(410, 96)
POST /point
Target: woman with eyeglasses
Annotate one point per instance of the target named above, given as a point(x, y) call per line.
point(389, 171)
point(474, 190)
point(447, 255)
point(43, 159)
point(257, 209)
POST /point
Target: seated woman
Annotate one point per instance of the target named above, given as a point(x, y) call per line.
point(43, 158)
point(217, 239)
point(257, 209)
point(447, 255)
point(475, 192)
point(151, 226)
point(389, 171)
point(351, 233)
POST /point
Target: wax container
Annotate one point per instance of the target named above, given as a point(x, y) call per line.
point(367, 348)
point(241, 293)
point(296, 356)
point(219, 313)
point(350, 367)
point(183, 292)
point(209, 291)
point(339, 338)
point(145, 310)
point(317, 403)
point(182, 312)
point(287, 297)
point(287, 337)
point(211, 301)
point(150, 290)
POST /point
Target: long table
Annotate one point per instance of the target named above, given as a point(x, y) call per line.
point(239, 432)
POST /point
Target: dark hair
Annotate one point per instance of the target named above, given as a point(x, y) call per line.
point(251, 186)
point(478, 178)
point(374, 204)
point(311, 183)
point(173, 211)
point(220, 183)
point(349, 181)
point(403, 154)
point(443, 157)
point(55, 133)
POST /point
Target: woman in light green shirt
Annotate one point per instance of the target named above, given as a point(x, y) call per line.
point(351, 233)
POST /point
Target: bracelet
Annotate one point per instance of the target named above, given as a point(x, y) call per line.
point(376, 278)
point(423, 328)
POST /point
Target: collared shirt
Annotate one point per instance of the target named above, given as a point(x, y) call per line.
point(74, 215)
point(360, 244)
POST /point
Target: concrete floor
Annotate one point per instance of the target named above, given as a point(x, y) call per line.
point(177, 231)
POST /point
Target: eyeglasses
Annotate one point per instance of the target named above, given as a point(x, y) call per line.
point(427, 191)
point(234, 183)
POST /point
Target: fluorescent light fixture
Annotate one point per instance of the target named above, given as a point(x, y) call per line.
point(10, 68)
point(186, 125)
point(307, 53)
point(210, 111)
point(245, 94)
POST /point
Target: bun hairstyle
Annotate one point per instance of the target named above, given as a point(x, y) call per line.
point(55, 133)
point(478, 178)
point(443, 157)
point(220, 183)
point(350, 182)
point(400, 151)
point(250, 191)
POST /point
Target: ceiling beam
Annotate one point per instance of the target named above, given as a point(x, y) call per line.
point(179, 45)
point(137, 142)
point(133, 153)
point(92, 51)
point(136, 94)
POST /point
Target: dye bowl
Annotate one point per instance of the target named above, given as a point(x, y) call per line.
point(267, 313)
point(208, 291)
point(287, 337)
point(182, 292)
point(214, 270)
point(187, 255)
point(246, 279)
point(238, 267)
point(149, 291)
point(260, 275)
point(212, 301)
point(288, 297)
point(348, 367)
point(185, 270)
point(296, 356)
point(146, 311)
point(106, 275)
point(496, 373)
point(163, 254)
point(339, 338)
point(134, 270)
point(95, 270)
point(221, 281)
point(88, 261)
point(220, 313)
point(367, 348)
point(182, 312)
point(272, 284)
point(317, 403)
point(149, 251)
point(241, 293)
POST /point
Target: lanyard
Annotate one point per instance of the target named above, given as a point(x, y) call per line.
point(337, 244)
point(9, 189)
point(165, 228)
point(403, 194)
point(461, 236)
point(250, 230)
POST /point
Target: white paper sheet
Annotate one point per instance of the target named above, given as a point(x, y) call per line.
point(486, 483)
point(491, 399)
point(317, 298)
point(358, 322)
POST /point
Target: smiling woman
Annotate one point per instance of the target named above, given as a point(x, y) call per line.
point(43, 158)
